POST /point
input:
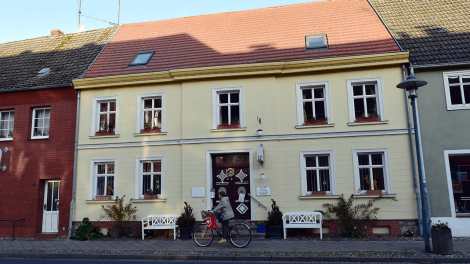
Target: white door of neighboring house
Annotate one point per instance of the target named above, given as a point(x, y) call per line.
point(50, 219)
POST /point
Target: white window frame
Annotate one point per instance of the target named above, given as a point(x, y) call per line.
point(9, 111)
point(140, 110)
point(138, 175)
point(379, 91)
point(95, 112)
point(32, 123)
point(448, 153)
point(298, 91)
point(450, 106)
point(215, 104)
point(93, 168)
point(386, 166)
point(303, 172)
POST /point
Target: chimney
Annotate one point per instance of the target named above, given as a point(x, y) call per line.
point(56, 32)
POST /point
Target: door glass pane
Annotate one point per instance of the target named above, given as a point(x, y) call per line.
point(370, 89)
point(223, 98)
point(455, 95)
point(308, 111)
point(50, 190)
point(319, 93)
point(363, 159)
point(359, 107)
point(55, 197)
point(378, 178)
point(324, 180)
point(110, 185)
point(311, 180)
point(310, 161)
point(234, 98)
point(235, 112)
point(99, 185)
point(307, 93)
point(364, 179)
point(357, 90)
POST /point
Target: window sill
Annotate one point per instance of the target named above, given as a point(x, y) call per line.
point(150, 134)
point(368, 123)
point(149, 200)
point(367, 196)
point(38, 138)
point(6, 139)
point(99, 201)
point(108, 136)
point(314, 126)
point(318, 197)
point(229, 129)
point(462, 215)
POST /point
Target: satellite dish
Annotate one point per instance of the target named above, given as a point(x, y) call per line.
point(81, 28)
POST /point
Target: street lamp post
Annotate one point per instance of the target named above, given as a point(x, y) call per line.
point(411, 84)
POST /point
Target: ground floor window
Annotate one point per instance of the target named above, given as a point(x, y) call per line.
point(104, 179)
point(317, 175)
point(459, 166)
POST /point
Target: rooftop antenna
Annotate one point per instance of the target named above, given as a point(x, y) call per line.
point(82, 28)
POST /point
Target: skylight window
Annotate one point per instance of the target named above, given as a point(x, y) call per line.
point(318, 41)
point(44, 71)
point(142, 58)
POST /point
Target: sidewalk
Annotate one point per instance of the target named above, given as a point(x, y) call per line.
point(410, 251)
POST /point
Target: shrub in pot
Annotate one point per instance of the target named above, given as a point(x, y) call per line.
point(442, 238)
point(122, 215)
point(186, 222)
point(274, 229)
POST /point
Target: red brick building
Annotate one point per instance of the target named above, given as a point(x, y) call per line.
point(38, 107)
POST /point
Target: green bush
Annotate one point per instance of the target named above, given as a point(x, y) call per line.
point(120, 214)
point(353, 219)
point(275, 215)
point(86, 231)
point(187, 219)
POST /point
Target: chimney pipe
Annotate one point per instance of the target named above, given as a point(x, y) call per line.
point(56, 32)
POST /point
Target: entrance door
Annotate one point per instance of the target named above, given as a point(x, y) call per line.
point(50, 219)
point(230, 173)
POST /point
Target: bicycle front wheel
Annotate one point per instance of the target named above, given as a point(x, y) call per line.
point(240, 235)
point(202, 236)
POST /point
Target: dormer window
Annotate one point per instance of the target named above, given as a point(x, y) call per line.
point(317, 41)
point(142, 58)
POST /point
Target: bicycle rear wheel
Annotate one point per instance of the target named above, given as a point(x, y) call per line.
point(240, 235)
point(202, 236)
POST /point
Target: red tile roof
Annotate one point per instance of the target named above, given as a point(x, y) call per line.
point(250, 36)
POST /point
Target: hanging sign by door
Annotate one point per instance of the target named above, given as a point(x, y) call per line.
point(2, 167)
point(263, 190)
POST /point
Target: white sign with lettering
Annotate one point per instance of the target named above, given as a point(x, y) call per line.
point(263, 190)
point(199, 192)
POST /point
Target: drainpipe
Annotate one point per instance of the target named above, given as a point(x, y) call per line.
point(74, 164)
point(413, 160)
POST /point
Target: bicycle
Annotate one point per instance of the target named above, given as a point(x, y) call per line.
point(238, 235)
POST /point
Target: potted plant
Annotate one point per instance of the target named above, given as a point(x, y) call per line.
point(275, 222)
point(442, 238)
point(316, 121)
point(235, 123)
point(108, 129)
point(186, 222)
point(261, 227)
point(148, 129)
point(372, 117)
point(149, 194)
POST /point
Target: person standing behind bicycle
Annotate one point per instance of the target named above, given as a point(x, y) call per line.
point(226, 214)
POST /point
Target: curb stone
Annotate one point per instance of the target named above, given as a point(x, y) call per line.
point(370, 259)
point(182, 257)
point(83, 256)
point(252, 258)
point(6, 255)
point(414, 259)
point(55, 255)
point(452, 260)
point(27, 255)
point(208, 257)
point(287, 258)
point(114, 256)
point(148, 257)
point(329, 259)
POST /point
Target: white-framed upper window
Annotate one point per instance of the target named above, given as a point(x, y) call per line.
point(41, 122)
point(150, 113)
point(317, 171)
point(457, 90)
point(7, 119)
point(103, 176)
point(313, 103)
point(227, 107)
point(372, 171)
point(105, 115)
point(365, 100)
point(150, 176)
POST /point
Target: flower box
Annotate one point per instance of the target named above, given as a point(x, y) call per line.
point(150, 196)
point(155, 130)
point(367, 119)
point(374, 191)
point(316, 122)
point(261, 229)
point(319, 193)
point(228, 126)
point(104, 133)
point(103, 197)
point(442, 241)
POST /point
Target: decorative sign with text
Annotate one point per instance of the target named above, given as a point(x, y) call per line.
point(198, 192)
point(263, 190)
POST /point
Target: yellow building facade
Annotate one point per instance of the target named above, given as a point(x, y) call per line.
point(305, 164)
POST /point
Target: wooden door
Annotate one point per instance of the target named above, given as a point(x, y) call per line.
point(230, 173)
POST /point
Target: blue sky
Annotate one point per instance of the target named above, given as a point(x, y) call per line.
point(24, 19)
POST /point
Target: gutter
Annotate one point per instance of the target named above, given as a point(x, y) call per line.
point(67, 85)
point(383, 23)
point(75, 152)
point(439, 65)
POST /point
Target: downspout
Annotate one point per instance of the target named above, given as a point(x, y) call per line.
point(413, 160)
point(72, 202)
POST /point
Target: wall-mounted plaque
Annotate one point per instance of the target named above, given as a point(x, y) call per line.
point(263, 190)
point(199, 192)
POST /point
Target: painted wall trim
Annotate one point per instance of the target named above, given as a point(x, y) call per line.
point(241, 139)
point(250, 69)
